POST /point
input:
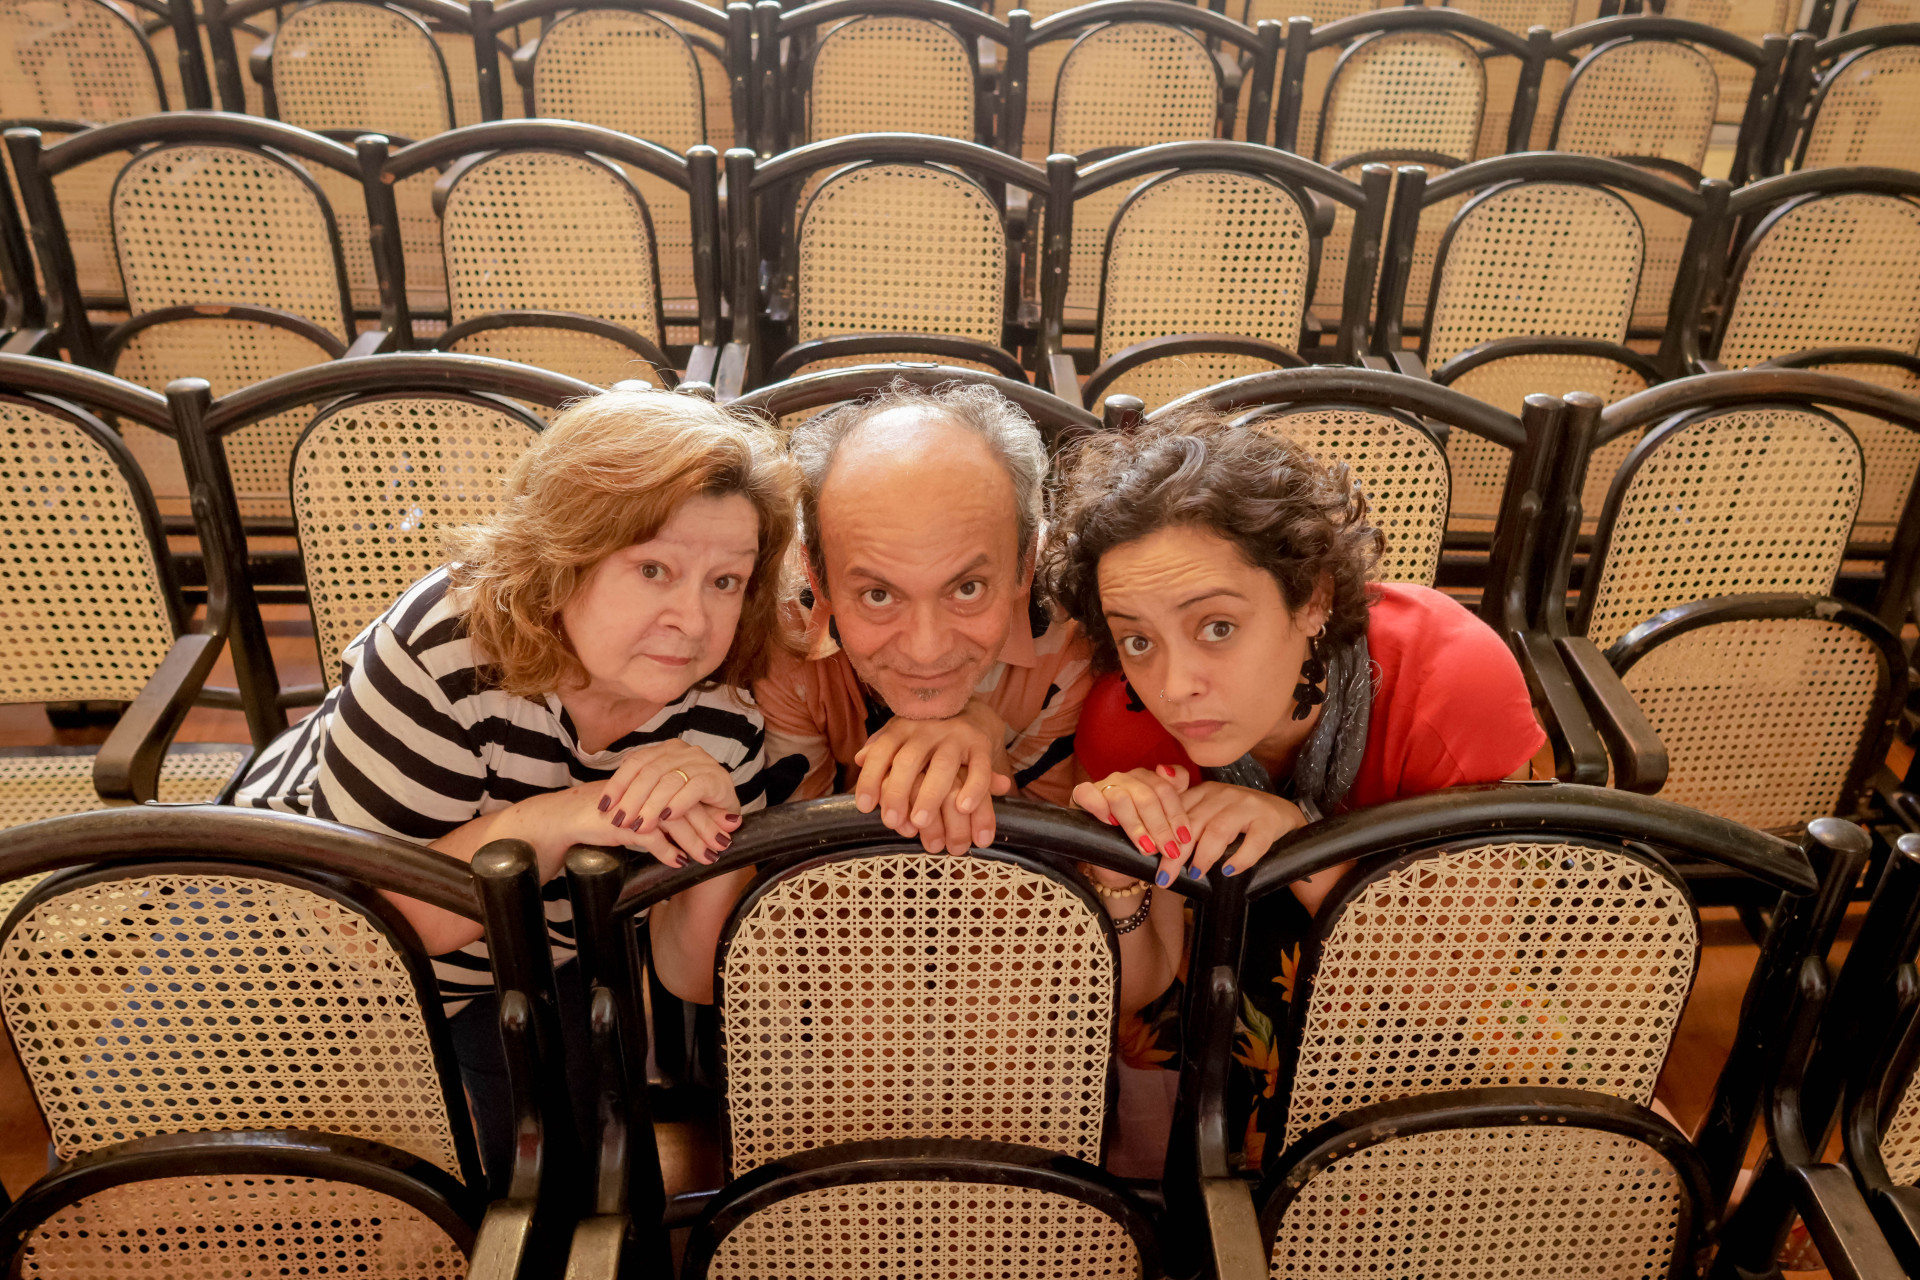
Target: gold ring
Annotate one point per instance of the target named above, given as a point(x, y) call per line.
point(1108, 787)
point(683, 776)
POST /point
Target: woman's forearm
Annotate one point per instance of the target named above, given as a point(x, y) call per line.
point(684, 933)
point(442, 931)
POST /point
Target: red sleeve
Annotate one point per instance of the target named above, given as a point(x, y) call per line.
point(1116, 733)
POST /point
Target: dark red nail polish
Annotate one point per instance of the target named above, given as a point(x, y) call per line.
point(639, 820)
point(733, 817)
point(605, 803)
point(1146, 844)
point(665, 814)
point(1186, 836)
point(681, 860)
point(723, 839)
point(620, 818)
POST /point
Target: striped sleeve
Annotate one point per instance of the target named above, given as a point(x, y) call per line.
point(1042, 752)
point(397, 760)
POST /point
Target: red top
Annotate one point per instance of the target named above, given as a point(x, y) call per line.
point(1450, 707)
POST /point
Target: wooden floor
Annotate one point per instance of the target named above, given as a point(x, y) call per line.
point(1706, 1031)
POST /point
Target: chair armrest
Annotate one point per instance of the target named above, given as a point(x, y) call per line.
point(1578, 753)
point(599, 1248)
point(1018, 202)
point(1408, 362)
point(1063, 379)
point(522, 62)
point(1850, 1243)
point(1233, 1230)
point(1321, 214)
point(730, 376)
point(1376, 362)
point(128, 766)
point(1898, 1209)
point(702, 362)
point(260, 61)
point(1703, 365)
point(506, 1234)
point(30, 342)
point(1639, 757)
point(371, 343)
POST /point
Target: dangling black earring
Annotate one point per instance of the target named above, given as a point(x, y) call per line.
point(1313, 673)
point(833, 630)
point(1133, 699)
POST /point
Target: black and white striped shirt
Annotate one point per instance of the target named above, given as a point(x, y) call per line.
point(415, 742)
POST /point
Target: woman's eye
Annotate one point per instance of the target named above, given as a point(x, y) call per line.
point(874, 597)
point(970, 590)
point(726, 582)
point(1216, 630)
point(1135, 646)
point(652, 572)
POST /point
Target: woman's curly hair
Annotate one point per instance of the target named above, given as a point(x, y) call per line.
point(1300, 519)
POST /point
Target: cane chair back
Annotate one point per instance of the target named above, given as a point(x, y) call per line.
point(1504, 70)
point(1867, 108)
point(169, 924)
point(1396, 463)
point(75, 60)
point(1017, 1048)
point(376, 481)
point(891, 75)
point(1582, 1011)
point(36, 785)
point(258, 1220)
point(1838, 270)
point(1318, 72)
point(1765, 719)
point(1751, 20)
point(85, 193)
point(1879, 13)
point(1203, 252)
point(1900, 1142)
point(1758, 498)
point(1043, 75)
point(348, 65)
point(548, 231)
point(1539, 1199)
point(463, 77)
point(637, 74)
point(901, 248)
point(1892, 453)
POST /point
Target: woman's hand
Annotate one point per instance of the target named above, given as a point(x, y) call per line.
point(1222, 813)
point(1151, 806)
point(669, 798)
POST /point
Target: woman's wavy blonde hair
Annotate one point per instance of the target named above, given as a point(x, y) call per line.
point(605, 475)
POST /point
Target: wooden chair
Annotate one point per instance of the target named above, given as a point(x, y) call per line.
point(1847, 99)
point(1509, 77)
point(793, 400)
point(1752, 21)
point(552, 257)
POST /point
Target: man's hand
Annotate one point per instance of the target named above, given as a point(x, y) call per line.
point(935, 779)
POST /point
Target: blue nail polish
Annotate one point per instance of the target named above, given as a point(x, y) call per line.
point(1163, 880)
point(1229, 871)
point(1193, 872)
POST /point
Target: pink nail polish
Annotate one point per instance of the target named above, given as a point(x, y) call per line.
point(620, 818)
point(1186, 837)
point(606, 802)
point(665, 814)
point(1146, 844)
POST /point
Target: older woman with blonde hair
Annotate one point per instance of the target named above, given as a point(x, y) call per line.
point(575, 674)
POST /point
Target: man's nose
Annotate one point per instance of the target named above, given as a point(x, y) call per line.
point(927, 638)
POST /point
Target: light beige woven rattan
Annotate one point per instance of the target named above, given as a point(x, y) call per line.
point(1480, 465)
point(1751, 20)
point(1133, 84)
point(1642, 98)
point(1880, 13)
point(85, 193)
point(164, 1227)
point(72, 60)
point(891, 75)
point(1203, 252)
point(926, 1230)
point(1868, 113)
point(1842, 270)
point(33, 787)
point(899, 248)
point(1900, 1144)
point(1519, 15)
point(1401, 470)
point(229, 354)
point(463, 79)
point(1761, 719)
point(313, 1022)
point(586, 356)
point(1531, 1201)
point(374, 486)
point(1757, 499)
point(1892, 454)
point(1480, 967)
point(915, 995)
point(1537, 258)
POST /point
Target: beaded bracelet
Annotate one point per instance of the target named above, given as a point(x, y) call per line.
point(1138, 918)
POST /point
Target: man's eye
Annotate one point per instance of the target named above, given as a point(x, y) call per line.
point(1216, 630)
point(1135, 646)
point(875, 597)
point(970, 590)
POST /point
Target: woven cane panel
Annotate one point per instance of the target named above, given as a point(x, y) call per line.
point(1399, 468)
point(1752, 500)
point(1134, 84)
point(1543, 258)
point(359, 66)
point(229, 354)
point(210, 224)
point(1314, 83)
point(1093, 215)
point(1751, 20)
point(1868, 114)
point(1761, 720)
point(625, 71)
point(1642, 98)
point(1480, 465)
point(72, 60)
point(1416, 90)
point(374, 487)
point(175, 1004)
point(718, 88)
point(34, 787)
point(585, 356)
point(540, 230)
point(211, 1228)
point(1554, 76)
point(789, 421)
point(1666, 230)
point(1900, 1144)
point(1551, 965)
point(1043, 76)
point(916, 996)
point(1518, 15)
point(1839, 271)
point(1892, 452)
point(928, 1231)
point(897, 248)
point(1207, 252)
point(1159, 382)
point(82, 612)
point(891, 75)
point(1503, 85)
point(1523, 1203)
point(463, 78)
point(1880, 13)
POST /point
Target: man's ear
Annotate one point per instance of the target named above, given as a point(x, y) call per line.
point(1027, 565)
point(815, 590)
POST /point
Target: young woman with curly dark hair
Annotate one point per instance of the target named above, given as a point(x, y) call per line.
point(1263, 681)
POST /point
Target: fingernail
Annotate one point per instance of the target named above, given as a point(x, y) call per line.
point(1163, 771)
point(1163, 879)
point(1112, 821)
point(1146, 844)
point(620, 818)
point(1186, 836)
point(722, 839)
point(605, 803)
point(919, 817)
point(1193, 872)
point(639, 821)
point(665, 814)
point(891, 817)
point(1229, 871)
point(981, 839)
point(733, 817)
point(681, 860)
